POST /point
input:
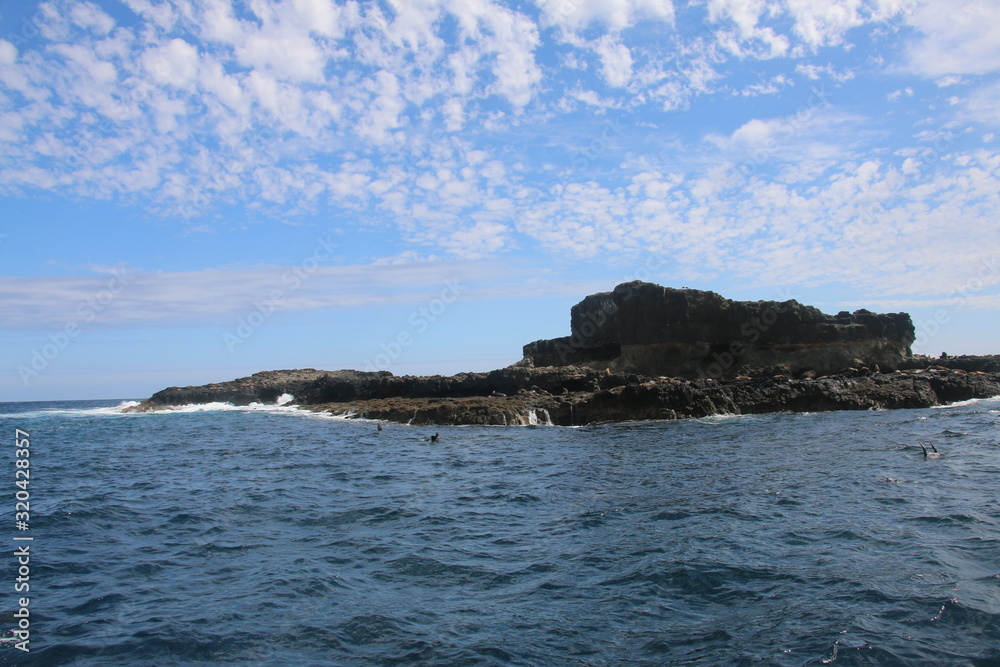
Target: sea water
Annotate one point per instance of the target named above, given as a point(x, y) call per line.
point(273, 536)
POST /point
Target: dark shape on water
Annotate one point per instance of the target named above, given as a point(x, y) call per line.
point(380, 427)
point(935, 454)
point(435, 437)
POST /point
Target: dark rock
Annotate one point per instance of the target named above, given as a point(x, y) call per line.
point(968, 363)
point(645, 328)
point(587, 396)
point(264, 387)
point(648, 352)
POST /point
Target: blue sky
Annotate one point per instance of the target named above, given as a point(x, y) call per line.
point(194, 190)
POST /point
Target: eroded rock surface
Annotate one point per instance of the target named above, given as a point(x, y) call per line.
point(645, 328)
point(648, 352)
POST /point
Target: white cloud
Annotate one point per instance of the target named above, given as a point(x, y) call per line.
point(309, 104)
point(950, 80)
point(383, 114)
point(8, 52)
point(174, 63)
point(885, 230)
point(219, 24)
point(959, 37)
point(162, 15)
point(283, 52)
point(760, 29)
point(616, 15)
point(800, 145)
point(216, 297)
point(514, 41)
point(815, 72)
point(755, 134)
point(99, 71)
point(897, 94)
point(746, 16)
point(322, 16)
point(983, 105)
point(616, 61)
point(91, 17)
point(824, 23)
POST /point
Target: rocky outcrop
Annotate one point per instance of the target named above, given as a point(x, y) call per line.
point(648, 352)
point(572, 395)
point(264, 387)
point(645, 328)
point(313, 387)
point(987, 363)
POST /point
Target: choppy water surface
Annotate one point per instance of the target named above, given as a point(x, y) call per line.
point(273, 537)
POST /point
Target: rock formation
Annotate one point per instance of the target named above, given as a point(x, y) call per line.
point(652, 330)
point(648, 352)
point(572, 395)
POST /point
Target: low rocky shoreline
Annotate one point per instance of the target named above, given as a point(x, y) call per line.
point(574, 396)
point(643, 351)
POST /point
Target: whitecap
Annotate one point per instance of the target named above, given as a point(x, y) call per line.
point(224, 407)
point(718, 418)
point(71, 412)
point(962, 404)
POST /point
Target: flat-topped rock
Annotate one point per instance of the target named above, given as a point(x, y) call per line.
point(652, 330)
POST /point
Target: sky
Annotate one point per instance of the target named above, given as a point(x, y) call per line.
point(195, 190)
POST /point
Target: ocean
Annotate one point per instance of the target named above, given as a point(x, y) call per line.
point(271, 536)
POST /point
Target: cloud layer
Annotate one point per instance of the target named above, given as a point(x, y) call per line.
point(584, 130)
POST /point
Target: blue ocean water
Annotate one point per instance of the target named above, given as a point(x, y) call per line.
point(271, 536)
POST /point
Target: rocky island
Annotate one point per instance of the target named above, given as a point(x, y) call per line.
point(643, 351)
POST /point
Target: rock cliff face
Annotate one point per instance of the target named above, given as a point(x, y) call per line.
point(648, 352)
point(658, 331)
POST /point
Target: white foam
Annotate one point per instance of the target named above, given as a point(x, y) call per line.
point(71, 412)
point(962, 404)
point(533, 417)
point(719, 417)
point(342, 417)
point(285, 399)
point(225, 407)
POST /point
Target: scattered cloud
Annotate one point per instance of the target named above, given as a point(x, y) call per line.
point(615, 15)
point(216, 296)
point(471, 130)
point(983, 105)
point(616, 61)
point(900, 94)
point(958, 37)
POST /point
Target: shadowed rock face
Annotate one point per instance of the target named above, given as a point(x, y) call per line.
point(652, 330)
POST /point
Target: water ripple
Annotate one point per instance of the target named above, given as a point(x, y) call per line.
point(256, 537)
